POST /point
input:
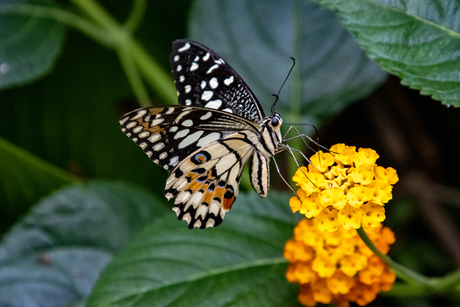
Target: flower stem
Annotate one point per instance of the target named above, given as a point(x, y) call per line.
point(448, 283)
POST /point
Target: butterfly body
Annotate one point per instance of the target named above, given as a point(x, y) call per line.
point(206, 140)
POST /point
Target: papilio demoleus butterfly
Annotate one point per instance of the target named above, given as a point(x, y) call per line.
point(208, 138)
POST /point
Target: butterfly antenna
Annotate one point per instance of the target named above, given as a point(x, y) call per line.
point(287, 77)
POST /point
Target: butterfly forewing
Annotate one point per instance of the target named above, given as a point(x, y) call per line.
point(170, 134)
point(204, 79)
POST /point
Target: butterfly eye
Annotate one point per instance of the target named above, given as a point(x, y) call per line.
point(275, 122)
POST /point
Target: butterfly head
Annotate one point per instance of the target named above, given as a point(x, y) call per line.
point(274, 139)
point(275, 120)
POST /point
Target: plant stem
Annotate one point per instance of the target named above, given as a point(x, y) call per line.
point(62, 16)
point(134, 78)
point(136, 15)
point(152, 71)
point(448, 283)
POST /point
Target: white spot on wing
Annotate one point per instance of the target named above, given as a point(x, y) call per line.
point(188, 88)
point(159, 146)
point(187, 217)
point(214, 104)
point(206, 116)
point(214, 83)
point(181, 78)
point(207, 95)
point(156, 122)
point(186, 47)
point(155, 137)
point(201, 211)
point(170, 110)
point(228, 110)
point(206, 57)
point(173, 129)
point(210, 223)
point(139, 114)
point(188, 102)
point(187, 123)
point(138, 129)
point(176, 58)
point(163, 155)
point(214, 136)
point(131, 125)
point(229, 80)
point(197, 224)
point(215, 66)
point(194, 66)
point(203, 84)
point(192, 138)
point(214, 207)
point(173, 161)
point(179, 68)
point(181, 134)
point(144, 134)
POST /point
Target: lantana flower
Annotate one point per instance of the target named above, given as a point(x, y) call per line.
point(340, 191)
point(344, 188)
point(337, 267)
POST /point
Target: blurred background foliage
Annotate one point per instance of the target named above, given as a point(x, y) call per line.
point(77, 190)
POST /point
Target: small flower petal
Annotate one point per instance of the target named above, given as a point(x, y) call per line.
point(328, 219)
point(350, 217)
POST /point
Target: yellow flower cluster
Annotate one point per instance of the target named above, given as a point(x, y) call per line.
point(337, 267)
point(344, 188)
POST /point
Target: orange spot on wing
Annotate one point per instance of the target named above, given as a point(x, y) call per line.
point(228, 202)
point(207, 197)
point(194, 186)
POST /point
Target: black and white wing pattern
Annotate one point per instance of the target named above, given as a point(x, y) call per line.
point(204, 79)
point(207, 140)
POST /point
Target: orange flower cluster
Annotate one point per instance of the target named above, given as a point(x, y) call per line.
point(344, 188)
point(337, 267)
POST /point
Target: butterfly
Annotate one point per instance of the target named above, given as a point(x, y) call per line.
point(208, 138)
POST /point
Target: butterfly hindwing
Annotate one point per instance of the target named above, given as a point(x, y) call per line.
point(204, 79)
point(205, 184)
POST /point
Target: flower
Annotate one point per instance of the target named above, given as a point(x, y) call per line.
point(337, 267)
point(344, 188)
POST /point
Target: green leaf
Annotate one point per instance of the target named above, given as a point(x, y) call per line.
point(238, 263)
point(29, 45)
point(419, 41)
point(24, 178)
point(54, 255)
point(258, 37)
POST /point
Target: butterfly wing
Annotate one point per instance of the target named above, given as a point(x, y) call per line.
point(204, 79)
point(207, 139)
point(169, 134)
point(206, 183)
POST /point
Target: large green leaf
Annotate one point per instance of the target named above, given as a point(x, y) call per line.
point(29, 45)
point(419, 41)
point(238, 263)
point(258, 37)
point(54, 255)
point(24, 178)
